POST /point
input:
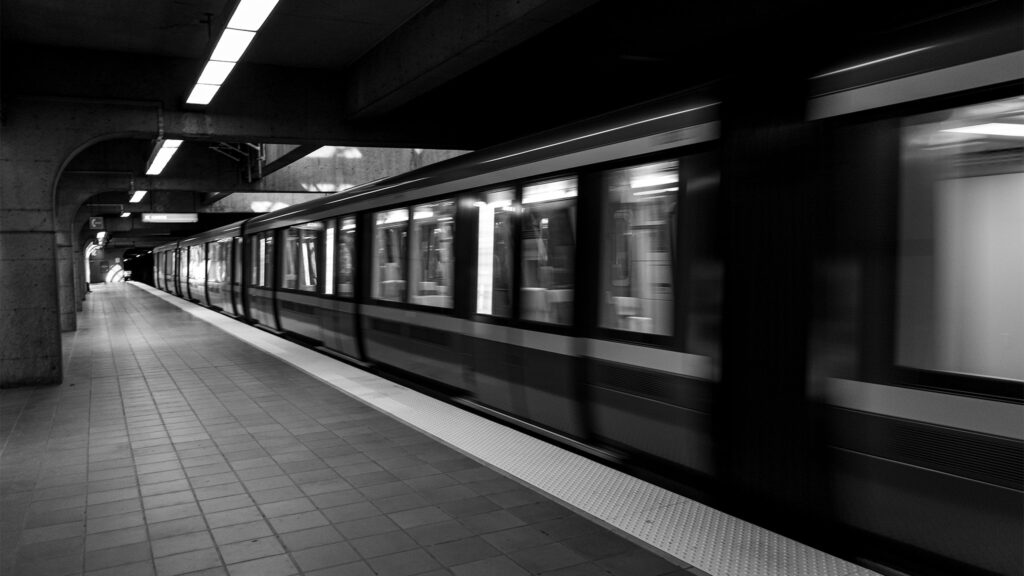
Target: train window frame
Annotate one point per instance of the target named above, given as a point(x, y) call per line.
point(879, 363)
point(356, 253)
point(372, 279)
point(676, 256)
point(403, 256)
point(300, 258)
point(327, 262)
point(478, 198)
point(573, 322)
point(451, 289)
point(262, 272)
point(680, 339)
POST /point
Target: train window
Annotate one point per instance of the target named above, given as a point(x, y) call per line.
point(638, 223)
point(254, 267)
point(549, 251)
point(236, 278)
point(494, 253)
point(391, 229)
point(347, 257)
point(329, 252)
point(196, 264)
point(182, 269)
point(213, 262)
point(289, 272)
point(299, 264)
point(431, 253)
point(263, 259)
point(961, 274)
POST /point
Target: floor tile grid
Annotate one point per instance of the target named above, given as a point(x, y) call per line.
point(171, 413)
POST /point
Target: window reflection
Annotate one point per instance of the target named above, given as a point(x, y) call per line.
point(961, 270)
point(391, 229)
point(494, 253)
point(329, 256)
point(639, 213)
point(548, 251)
point(299, 270)
point(347, 257)
point(432, 253)
point(196, 265)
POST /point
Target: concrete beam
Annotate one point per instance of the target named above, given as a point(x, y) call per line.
point(259, 103)
point(445, 40)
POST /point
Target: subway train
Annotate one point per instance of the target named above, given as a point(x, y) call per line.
point(803, 306)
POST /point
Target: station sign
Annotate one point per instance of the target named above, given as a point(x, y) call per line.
point(96, 223)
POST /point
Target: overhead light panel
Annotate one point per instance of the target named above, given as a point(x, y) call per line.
point(162, 157)
point(202, 94)
point(250, 14)
point(232, 45)
point(137, 196)
point(125, 214)
point(992, 129)
point(168, 217)
point(247, 18)
point(215, 72)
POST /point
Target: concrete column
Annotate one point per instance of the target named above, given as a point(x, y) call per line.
point(30, 351)
point(78, 266)
point(66, 280)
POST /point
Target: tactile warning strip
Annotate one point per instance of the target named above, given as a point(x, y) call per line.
point(683, 530)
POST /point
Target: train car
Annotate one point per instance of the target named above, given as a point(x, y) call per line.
point(802, 307)
point(918, 321)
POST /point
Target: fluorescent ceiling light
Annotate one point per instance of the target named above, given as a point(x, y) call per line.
point(101, 234)
point(125, 214)
point(163, 156)
point(993, 129)
point(215, 72)
point(138, 196)
point(231, 45)
point(250, 14)
point(202, 94)
point(170, 217)
point(653, 180)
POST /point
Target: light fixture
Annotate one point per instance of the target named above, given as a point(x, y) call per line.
point(101, 235)
point(163, 156)
point(168, 217)
point(250, 14)
point(138, 196)
point(232, 45)
point(125, 214)
point(247, 18)
point(992, 129)
point(202, 94)
point(215, 72)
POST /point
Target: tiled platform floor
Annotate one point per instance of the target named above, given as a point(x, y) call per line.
point(173, 448)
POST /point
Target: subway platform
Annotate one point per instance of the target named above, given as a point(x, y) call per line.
point(184, 442)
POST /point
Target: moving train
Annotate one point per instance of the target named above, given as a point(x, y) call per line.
point(810, 319)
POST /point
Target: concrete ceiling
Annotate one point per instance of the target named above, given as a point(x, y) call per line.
point(456, 74)
point(432, 73)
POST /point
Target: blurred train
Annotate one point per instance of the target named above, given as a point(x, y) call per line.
point(807, 311)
